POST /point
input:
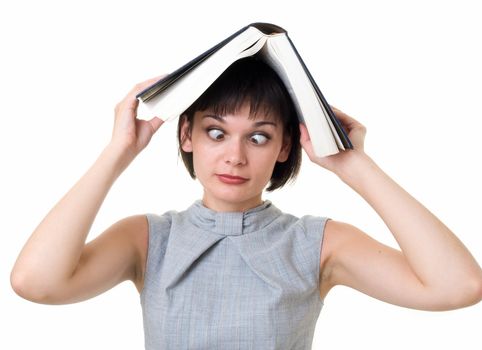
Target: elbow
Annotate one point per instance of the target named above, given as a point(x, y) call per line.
point(457, 296)
point(469, 294)
point(24, 287)
point(476, 290)
point(17, 281)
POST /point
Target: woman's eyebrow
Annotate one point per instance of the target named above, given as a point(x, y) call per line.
point(256, 124)
point(265, 122)
point(214, 116)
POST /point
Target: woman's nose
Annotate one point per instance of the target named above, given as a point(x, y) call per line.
point(235, 153)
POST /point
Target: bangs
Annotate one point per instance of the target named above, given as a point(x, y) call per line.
point(257, 108)
point(247, 81)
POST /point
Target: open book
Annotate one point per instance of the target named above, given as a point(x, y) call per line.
point(174, 93)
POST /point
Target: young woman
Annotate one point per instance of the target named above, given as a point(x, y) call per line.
point(232, 270)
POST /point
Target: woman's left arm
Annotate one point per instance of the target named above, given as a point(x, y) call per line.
point(433, 271)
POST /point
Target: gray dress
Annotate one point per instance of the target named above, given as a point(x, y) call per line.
point(232, 280)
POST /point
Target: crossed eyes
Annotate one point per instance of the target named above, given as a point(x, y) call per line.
point(256, 138)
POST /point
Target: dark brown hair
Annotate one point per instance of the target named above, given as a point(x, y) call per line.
point(250, 80)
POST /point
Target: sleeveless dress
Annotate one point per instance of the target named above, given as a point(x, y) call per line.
point(232, 280)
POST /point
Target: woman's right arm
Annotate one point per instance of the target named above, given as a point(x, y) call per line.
point(56, 266)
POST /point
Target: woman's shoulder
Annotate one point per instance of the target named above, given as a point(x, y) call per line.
point(134, 228)
point(145, 233)
point(308, 222)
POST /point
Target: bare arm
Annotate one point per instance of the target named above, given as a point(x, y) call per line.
point(51, 267)
point(433, 271)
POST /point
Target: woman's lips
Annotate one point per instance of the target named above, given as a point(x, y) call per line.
point(231, 180)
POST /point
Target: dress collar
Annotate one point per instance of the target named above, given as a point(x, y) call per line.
point(232, 223)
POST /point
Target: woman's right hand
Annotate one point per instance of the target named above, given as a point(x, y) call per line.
point(132, 135)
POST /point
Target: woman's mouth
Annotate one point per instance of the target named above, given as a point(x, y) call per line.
point(231, 179)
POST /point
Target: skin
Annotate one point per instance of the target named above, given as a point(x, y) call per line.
point(238, 146)
point(414, 276)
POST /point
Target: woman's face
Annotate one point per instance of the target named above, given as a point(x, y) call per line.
point(234, 156)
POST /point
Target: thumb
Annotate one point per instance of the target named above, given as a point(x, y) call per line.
point(156, 123)
point(305, 142)
point(304, 136)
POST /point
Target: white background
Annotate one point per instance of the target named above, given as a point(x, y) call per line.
point(410, 71)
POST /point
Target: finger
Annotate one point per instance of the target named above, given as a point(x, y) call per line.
point(130, 102)
point(339, 113)
point(143, 85)
point(304, 136)
point(305, 140)
point(156, 123)
point(347, 121)
point(337, 110)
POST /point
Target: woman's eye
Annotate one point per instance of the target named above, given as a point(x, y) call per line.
point(216, 134)
point(259, 139)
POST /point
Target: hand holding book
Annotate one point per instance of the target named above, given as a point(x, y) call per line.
point(337, 163)
point(131, 135)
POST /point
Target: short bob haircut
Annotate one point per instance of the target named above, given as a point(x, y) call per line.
point(250, 80)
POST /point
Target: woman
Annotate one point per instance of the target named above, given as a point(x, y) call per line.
point(232, 270)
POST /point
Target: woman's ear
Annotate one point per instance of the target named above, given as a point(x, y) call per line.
point(186, 143)
point(285, 150)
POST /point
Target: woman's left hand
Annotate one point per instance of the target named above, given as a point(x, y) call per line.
point(356, 133)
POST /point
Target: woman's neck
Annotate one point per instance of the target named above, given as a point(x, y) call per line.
point(221, 205)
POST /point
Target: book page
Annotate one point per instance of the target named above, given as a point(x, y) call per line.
point(180, 95)
point(279, 54)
